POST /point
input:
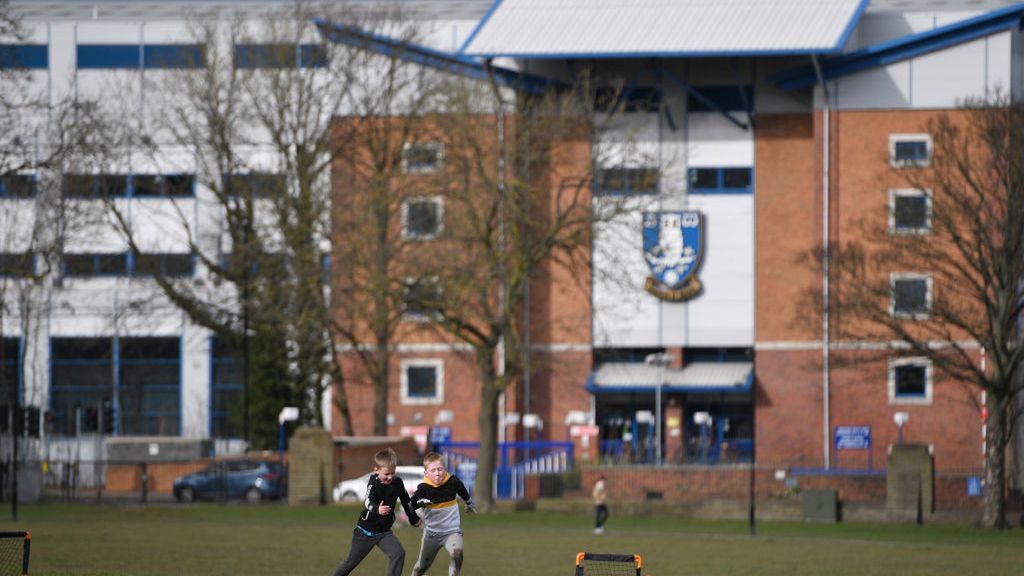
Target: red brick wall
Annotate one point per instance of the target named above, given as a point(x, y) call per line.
point(733, 483)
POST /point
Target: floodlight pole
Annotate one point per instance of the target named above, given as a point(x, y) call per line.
point(661, 360)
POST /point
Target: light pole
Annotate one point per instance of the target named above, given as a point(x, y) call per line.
point(661, 360)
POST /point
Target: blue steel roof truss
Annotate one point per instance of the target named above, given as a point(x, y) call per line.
point(465, 66)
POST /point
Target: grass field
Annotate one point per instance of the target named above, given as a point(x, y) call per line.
point(212, 539)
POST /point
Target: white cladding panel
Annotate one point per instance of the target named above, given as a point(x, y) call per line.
point(722, 315)
point(939, 79)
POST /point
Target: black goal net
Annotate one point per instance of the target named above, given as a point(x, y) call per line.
point(14, 548)
point(589, 564)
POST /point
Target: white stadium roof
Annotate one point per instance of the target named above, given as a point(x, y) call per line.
point(652, 28)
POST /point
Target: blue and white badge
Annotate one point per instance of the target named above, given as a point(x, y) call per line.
point(672, 250)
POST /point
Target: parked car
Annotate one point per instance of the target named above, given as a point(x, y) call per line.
point(354, 489)
point(251, 480)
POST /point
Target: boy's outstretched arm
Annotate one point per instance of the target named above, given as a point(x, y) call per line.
point(464, 494)
point(407, 504)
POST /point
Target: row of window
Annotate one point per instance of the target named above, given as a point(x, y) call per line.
point(92, 186)
point(23, 264)
point(165, 56)
point(144, 374)
point(648, 99)
point(619, 181)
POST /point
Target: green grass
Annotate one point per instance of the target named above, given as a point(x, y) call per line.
point(212, 539)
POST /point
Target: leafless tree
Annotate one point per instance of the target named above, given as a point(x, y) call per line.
point(974, 253)
point(256, 112)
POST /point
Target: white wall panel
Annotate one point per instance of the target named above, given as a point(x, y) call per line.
point(887, 87)
point(722, 315)
point(195, 381)
point(941, 78)
point(109, 32)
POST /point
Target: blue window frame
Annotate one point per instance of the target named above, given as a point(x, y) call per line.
point(108, 56)
point(135, 56)
point(119, 264)
point(253, 56)
point(93, 186)
point(94, 264)
point(90, 186)
point(727, 98)
point(176, 56)
point(909, 150)
point(24, 56)
point(626, 181)
point(82, 380)
point(17, 264)
point(162, 185)
point(143, 373)
point(163, 264)
point(18, 186)
point(149, 383)
point(227, 385)
point(721, 180)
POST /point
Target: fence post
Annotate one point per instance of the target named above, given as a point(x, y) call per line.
point(145, 482)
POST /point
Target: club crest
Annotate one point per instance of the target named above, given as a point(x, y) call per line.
point(672, 250)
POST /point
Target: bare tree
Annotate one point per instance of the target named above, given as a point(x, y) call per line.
point(974, 254)
point(256, 113)
point(517, 187)
point(386, 133)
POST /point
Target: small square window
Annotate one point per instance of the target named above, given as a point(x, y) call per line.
point(422, 381)
point(911, 295)
point(419, 297)
point(422, 218)
point(910, 211)
point(910, 150)
point(910, 381)
point(422, 157)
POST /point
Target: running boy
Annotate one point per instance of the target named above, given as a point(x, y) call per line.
point(441, 522)
point(374, 525)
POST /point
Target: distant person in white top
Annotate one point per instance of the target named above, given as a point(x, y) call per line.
point(600, 495)
point(442, 526)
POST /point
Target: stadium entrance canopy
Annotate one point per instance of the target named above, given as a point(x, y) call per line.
point(694, 377)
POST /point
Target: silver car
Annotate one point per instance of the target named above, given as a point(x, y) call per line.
point(354, 490)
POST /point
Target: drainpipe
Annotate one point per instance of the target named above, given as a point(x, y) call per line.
point(825, 254)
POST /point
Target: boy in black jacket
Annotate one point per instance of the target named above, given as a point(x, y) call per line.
point(442, 527)
point(374, 525)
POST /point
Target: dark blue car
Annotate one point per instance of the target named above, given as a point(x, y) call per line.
point(250, 480)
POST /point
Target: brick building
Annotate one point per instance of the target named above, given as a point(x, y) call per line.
point(719, 146)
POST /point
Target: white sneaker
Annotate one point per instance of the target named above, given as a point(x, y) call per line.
point(599, 530)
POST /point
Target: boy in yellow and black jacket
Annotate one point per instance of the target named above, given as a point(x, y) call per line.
point(442, 527)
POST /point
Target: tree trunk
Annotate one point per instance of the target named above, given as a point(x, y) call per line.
point(483, 486)
point(380, 390)
point(994, 513)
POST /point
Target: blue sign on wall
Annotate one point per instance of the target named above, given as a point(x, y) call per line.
point(853, 437)
point(439, 435)
point(974, 485)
